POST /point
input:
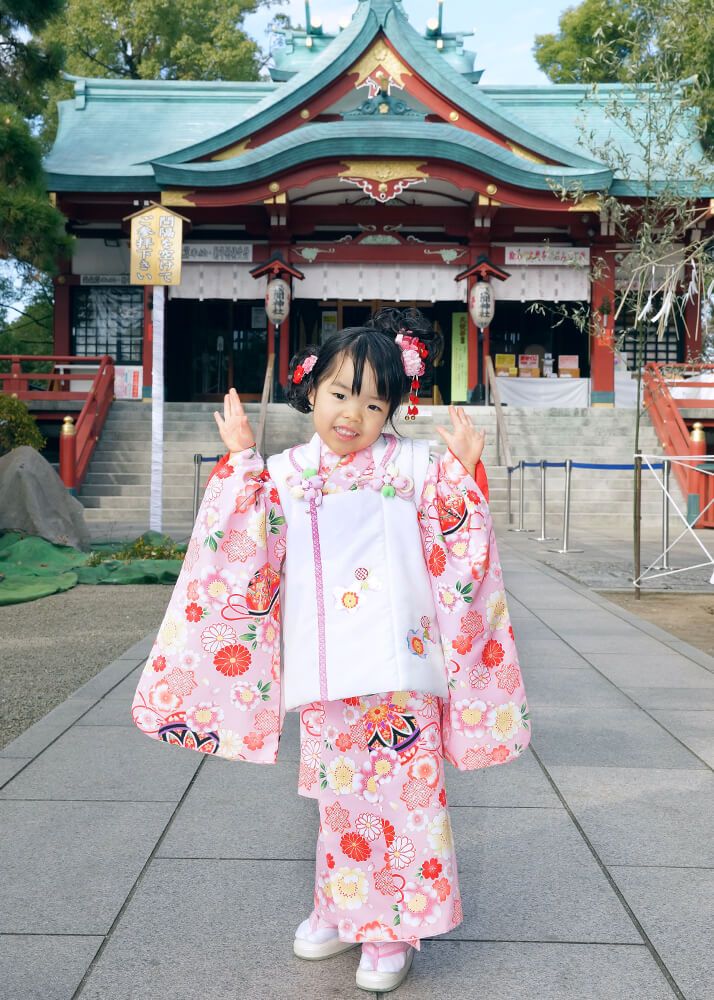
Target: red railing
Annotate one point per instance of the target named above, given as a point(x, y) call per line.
point(97, 398)
point(659, 378)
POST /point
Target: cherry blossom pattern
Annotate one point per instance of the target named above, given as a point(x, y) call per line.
point(238, 546)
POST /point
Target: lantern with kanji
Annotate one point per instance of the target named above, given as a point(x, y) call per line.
point(277, 300)
point(482, 303)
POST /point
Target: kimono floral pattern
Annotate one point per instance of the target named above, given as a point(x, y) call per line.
point(385, 863)
point(485, 720)
point(212, 680)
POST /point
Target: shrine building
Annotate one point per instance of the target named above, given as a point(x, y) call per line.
point(377, 164)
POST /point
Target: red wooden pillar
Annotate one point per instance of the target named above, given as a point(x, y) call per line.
point(692, 330)
point(472, 341)
point(148, 343)
point(602, 336)
point(62, 323)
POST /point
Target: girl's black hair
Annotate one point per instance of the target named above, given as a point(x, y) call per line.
point(373, 343)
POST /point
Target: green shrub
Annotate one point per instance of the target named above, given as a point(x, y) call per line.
point(17, 426)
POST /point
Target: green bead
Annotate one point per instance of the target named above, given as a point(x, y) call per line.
point(309, 473)
point(388, 491)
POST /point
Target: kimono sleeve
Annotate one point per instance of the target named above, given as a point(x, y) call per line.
point(485, 719)
point(212, 682)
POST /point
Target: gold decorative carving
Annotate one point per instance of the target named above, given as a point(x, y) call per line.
point(378, 55)
point(171, 197)
point(491, 189)
point(305, 114)
point(589, 204)
point(453, 116)
point(273, 187)
point(483, 200)
point(384, 170)
point(525, 154)
point(230, 152)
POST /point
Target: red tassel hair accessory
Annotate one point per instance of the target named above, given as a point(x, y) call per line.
point(413, 354)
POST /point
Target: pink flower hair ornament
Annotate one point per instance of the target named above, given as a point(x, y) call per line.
point(304, 368)
point(413, 354)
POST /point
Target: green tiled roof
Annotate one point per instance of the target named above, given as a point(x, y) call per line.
point(354, 138)
point(119, 135)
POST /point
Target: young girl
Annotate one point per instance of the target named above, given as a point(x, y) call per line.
point(374, 560)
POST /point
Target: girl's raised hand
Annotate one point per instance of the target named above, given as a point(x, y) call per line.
point(465, 441)
point(233, 426)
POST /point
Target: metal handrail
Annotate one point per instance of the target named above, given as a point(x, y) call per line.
point(502, 441)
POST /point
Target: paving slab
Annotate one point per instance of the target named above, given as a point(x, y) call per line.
point(222, 929)
point(9, 766)
point(642, 816)
point(659, 669)
point(232, 810)
point(69, 866)
point(607, 737)
point(672, 698)
point(46, 966)
point(562, 687)
point(110, 763)
point(45, 731)
point(524, 874)
point(521, 782)
point(676, 909)
point(458, 970)
point(535, 654)
point(694, 729)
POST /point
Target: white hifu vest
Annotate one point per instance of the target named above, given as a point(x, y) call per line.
point(357, 604)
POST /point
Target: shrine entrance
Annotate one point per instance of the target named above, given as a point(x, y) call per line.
point(213, 344)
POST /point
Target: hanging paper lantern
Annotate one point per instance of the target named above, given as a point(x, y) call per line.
point(482, 303)
point(277, 300)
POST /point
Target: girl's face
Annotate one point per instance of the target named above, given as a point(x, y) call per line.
point(347, 422)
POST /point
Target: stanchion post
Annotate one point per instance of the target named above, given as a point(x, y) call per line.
point(197, 460)
point(542, 537)
point(637, 524)
point(521, 497)
point(509, 472)
point(666, 465)
point(566, 510)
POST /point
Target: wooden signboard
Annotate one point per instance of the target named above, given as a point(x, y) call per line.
point(155, 245)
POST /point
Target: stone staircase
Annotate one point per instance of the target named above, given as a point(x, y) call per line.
point(116, 490)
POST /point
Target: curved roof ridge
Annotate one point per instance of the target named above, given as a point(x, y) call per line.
point(409, 42)
point(332, 61)
point(347, 139)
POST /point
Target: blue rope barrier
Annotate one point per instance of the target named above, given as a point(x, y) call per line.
point(583, 465)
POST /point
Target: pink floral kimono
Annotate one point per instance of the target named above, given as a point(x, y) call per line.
point(385, 862)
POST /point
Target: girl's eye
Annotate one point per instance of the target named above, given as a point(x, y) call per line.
point(373, 406)
point(340, 395)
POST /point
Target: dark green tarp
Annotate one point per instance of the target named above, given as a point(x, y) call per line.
point(32, 567)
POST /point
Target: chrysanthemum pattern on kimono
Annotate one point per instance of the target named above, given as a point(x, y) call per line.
point(385, 861)
point(212, 681)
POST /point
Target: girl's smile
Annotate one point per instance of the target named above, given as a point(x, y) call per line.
point(348, 421)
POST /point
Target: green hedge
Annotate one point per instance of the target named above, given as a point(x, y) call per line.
point(17, 426)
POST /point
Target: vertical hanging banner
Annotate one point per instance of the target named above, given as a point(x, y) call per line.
point(156, 244)
point(459, 357)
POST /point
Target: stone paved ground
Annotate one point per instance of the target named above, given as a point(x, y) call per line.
point(136, 870)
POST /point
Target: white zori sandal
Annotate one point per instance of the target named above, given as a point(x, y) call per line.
point(316, 939)
point(384, 967)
